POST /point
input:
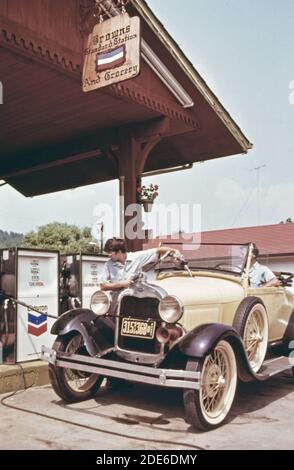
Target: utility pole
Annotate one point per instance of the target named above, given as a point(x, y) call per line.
point(100, 243)
point(101, 237)
point(257, 169)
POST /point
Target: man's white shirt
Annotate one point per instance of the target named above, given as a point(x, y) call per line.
point(115, 271)
point(260, 274)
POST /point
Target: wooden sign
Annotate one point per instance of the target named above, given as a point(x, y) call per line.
point(112, 53)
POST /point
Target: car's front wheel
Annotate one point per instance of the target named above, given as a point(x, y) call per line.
point(209, 407)
point(73, 385)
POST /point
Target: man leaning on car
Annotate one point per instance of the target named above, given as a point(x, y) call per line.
point(121, 266)
point(260, 275)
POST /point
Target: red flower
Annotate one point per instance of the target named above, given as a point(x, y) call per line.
point(147, 192)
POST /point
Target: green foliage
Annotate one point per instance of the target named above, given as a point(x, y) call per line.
point(288, 221)
point(10, 239)
point(63, 237)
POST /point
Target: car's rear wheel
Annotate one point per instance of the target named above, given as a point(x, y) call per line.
point(209, 407)
point(251, 322)
point(73, 385)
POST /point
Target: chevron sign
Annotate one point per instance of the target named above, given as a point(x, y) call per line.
point(37, 322)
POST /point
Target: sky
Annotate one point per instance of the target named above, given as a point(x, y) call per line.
point(244, 51)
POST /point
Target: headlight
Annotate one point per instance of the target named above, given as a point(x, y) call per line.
point(100, 303)
point(170, 309)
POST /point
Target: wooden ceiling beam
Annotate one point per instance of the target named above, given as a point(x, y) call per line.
point(162, 127)
point(45, 166)
point(58, 155)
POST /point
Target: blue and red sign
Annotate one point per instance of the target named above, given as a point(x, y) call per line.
point(37, 323)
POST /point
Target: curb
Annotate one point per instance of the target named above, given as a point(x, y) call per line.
point(21, 376)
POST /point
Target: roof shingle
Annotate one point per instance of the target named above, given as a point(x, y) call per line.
point(275, 239)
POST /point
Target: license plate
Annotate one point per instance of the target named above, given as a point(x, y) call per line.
point(138, 328)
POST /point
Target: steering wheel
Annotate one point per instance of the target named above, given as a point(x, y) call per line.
point(286, 279)
point(229, 267)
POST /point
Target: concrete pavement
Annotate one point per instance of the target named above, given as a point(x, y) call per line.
point(24, 375)
point(147, 418)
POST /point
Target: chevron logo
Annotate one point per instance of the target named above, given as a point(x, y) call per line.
point(37, 323)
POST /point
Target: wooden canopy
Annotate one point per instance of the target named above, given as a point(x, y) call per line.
point(55, 137)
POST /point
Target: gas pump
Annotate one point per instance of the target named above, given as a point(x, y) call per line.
point(31, 277)
point(80, 277)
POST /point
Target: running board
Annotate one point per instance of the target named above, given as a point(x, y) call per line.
point(274, 366)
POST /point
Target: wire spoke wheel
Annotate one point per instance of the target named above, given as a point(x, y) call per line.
point(77, 380)
point(209, 407)
point(216, 381)
point(251, 322)
point(73, 385)
point(253, 337)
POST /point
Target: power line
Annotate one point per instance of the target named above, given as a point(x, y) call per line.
point(257, 169)
point(242, 209)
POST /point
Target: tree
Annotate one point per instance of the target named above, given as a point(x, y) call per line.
point(288, 221)
point(10, 239)
point(63, 237)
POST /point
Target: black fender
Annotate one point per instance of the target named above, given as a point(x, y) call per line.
point(97, 332)
point(201, 340)
point(288, 337)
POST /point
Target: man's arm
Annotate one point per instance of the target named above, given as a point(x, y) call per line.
point(162, 250)
point(270, 278)
point(116, 285)
point(144, 257)
point(272, 283)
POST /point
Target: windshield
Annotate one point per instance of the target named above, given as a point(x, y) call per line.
point(212, 257)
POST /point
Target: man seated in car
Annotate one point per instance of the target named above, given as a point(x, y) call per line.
point(119, 269)
point(260, 275)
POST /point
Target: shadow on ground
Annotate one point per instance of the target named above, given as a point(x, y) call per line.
point(152, 406)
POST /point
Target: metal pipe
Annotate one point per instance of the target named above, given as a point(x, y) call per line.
point(23, 304)
point(188, 166)
point(165, 75)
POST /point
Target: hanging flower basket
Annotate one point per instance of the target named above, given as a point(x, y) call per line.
point(146, 196)
point(147, 205)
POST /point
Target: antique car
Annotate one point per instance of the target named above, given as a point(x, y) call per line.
point(195, 324)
